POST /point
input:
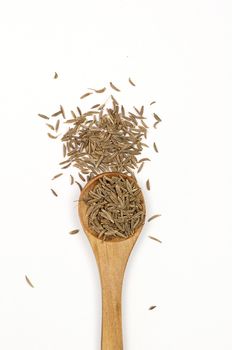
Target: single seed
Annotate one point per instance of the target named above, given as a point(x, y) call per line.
point(81, 177)
point(114, 87)
point(155, 239)
point(157, 117)
point(152, 307)
point(62, 111)
point(71, 180)
point(79, 185)
point(55, 194)
point(56, 113)
point(51, 126)
point(153, 217)
point(131, 82)
point(152, 103)
point(73, 232)
point(43, 116)
point(57, 125)
point(55, 75)
point(140, 168)
point(85, 95)
point(155, 147)
point(143, 160)
point(148, 185)
point(29, 282)
point(99, 91)
point(52, 136)
point(95, 106)
point(56, 176)
point(64, 150)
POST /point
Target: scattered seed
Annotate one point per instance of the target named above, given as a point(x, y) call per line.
point(29, 282)
point(57, 125)
point(148, 185)
point(155, 239)
point(87, 94)
point(55, 194)
point(79, 111)
point(56, 176)
point(95, 106)
point(51, 126)
point(99, 91)
point(143, 160)
point(81, 177)
point(155, 147)
point(71, 180)
point(131, 82)
point(152, 307)
point(140, 168)
point(157, 117)
point(79, 185)
point(62, 112)
point(152, 103)
point(55, 75)
point(73, 232)
point(56, 113)
point(43, 116)
point(153, 217)
point(114, 87)
point(52, 136)
point(64, 150)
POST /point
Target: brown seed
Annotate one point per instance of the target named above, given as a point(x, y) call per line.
point(79, 111)
point(81, 177)
point(51, 126)
point(64, 150)
point(99, 91)
point(131, 82)
point(73, 232)
point(143, 160)
point(157, 117)
point(57, 125)
point(62, 112)
point(148, 185)
point(56, 113)
point(153, 217)
point(155, 239)
point(85, 95)
point(55, 76)
point(29, 282)
point(152, 307)
point(114, 87)
point(55, 194)
point(43, 116)
point(71, 180)
point(52, 136)
point(95, 106)
point(155, 147)
point(152, 103)
point(79, 185)
point(56, 176)
point(140, 168)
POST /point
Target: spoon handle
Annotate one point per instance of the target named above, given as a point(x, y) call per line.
point(111, 309)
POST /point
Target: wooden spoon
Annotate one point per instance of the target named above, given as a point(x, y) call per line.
point(112, 257)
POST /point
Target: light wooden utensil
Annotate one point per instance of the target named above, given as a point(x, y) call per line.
point(111, 257)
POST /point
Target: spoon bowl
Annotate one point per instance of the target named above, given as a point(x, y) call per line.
point(111, 256)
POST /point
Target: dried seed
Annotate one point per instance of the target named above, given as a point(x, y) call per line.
point(95, 106)
point(157, 117)
point(29, 282)
point(51, 126)
point(131, 82)
point(79, 111)
point(153, 217)
point(152, 103)
point(148, 185)
point(56, 113)
point(155, 239)
point(99, 91)
point(71, 180)
point(64, 150)
point(140, 168)
point(155, 147)
point(62, 111)
point(56, 176)
point(55, 194)
point(85, 95)
point(152, 307)
point(81, 177)
point(57, 125)
point(73, 232)
point(43, 116)
point(143, 160)
point(79, 185)
point(114, 87)
point(52, 136)
point(55, 76)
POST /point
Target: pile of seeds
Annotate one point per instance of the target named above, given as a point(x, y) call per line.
point(115, 207)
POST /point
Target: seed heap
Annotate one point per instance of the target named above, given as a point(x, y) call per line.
point(115, 207)
point(104, 140)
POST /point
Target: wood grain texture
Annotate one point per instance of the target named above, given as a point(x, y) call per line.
point(111, 257)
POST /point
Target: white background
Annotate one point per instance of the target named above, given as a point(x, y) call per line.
point(179, 53)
